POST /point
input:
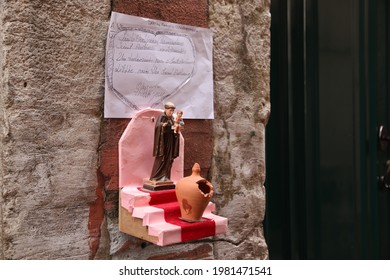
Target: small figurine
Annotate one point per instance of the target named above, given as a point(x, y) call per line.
point(179, 123)
point(166, 145)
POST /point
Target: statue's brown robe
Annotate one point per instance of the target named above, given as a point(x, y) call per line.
point(165, 149)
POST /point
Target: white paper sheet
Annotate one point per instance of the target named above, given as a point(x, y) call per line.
point(150, 62)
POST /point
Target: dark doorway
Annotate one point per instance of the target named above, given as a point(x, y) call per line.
point(329, 94)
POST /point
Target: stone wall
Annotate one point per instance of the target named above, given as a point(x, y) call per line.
point(51, 98)
point(58, 156)
point(242, 107)
point(2, 89)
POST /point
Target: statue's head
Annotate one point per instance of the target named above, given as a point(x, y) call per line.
point(169, 109)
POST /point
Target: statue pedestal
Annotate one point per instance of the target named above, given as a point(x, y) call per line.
point(158, 186)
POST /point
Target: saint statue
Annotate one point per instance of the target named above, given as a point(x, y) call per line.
point(166, 144)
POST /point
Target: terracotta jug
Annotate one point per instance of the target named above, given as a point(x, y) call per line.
point(193, 194)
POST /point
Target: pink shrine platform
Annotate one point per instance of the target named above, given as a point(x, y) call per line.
point(154, 216)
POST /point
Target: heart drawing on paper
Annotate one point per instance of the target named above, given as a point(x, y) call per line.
point(146, 67)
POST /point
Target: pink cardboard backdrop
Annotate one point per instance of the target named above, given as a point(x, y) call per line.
point(136, 150)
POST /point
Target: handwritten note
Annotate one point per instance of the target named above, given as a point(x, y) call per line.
point(149, 62)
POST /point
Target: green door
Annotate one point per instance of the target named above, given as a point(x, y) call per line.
point(330, 87)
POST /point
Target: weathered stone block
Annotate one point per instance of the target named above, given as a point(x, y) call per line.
point(51, 92)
